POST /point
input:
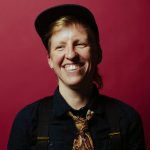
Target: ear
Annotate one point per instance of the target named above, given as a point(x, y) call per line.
point(50, 62)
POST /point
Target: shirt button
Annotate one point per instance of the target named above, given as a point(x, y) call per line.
point(51, 143)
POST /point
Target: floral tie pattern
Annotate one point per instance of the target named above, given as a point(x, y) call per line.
point(83, 140)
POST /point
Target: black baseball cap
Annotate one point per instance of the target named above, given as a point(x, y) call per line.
point(44, 19)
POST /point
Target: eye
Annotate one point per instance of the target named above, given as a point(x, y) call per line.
point(59, 47)
point(81, 45)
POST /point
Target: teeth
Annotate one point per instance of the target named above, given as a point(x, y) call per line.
point(71, 67)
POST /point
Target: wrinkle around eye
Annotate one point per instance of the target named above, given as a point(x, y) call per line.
point(60, 48)
point(81, 45)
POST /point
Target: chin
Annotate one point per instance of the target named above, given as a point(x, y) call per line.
point(77, 84)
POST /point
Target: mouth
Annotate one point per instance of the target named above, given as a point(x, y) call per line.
point(72, 67)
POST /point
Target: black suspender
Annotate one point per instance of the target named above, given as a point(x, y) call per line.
point(113, 118)
point(44, 117)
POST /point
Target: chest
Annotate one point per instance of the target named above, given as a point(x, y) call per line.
point(62, 132)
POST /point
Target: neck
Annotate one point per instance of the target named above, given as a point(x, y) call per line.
point(76, 97)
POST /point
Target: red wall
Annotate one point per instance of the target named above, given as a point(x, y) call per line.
point(24, 73)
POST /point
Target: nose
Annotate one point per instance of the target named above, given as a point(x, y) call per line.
point(70, 53)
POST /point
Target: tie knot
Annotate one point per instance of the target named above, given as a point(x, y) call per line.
point(81, 123)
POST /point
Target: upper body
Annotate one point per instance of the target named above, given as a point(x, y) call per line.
point(71, 37)
point(62, 130)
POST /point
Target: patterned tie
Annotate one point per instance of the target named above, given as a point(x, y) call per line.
point(83, 140)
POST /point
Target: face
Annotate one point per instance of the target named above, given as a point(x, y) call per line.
point(71, 56)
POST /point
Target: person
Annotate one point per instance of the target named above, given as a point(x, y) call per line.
point(76, 116)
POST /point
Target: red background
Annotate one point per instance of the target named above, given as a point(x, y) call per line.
point(24, 72)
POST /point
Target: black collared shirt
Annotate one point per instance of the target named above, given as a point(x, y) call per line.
point(63, 131)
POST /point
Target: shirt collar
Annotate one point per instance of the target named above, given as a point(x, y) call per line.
point(60, 106)
point(97, 101)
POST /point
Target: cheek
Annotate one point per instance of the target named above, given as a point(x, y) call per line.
point(85, 54)
point(57, 59)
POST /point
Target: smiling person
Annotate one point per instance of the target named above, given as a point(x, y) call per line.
point(76, 116)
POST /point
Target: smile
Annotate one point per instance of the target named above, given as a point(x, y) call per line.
point(72, 67)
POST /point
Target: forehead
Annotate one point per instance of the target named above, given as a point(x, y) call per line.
point(73, 31)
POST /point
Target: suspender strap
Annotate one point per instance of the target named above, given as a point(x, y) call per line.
point(112, 113)
point(44, 118)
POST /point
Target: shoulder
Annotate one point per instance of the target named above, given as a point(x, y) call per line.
point(30, 111)
point(129, 119)
point(125, 110)
point(130, 123)
point(24, 125)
